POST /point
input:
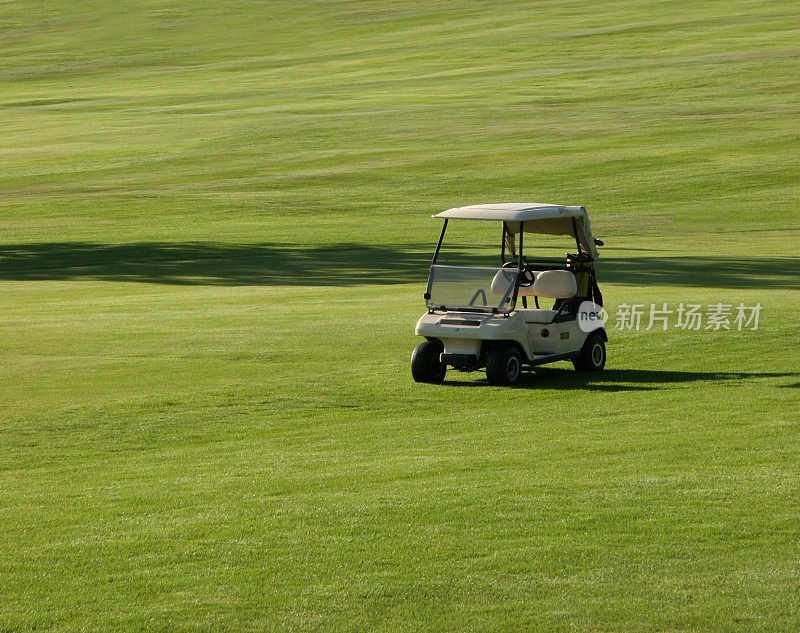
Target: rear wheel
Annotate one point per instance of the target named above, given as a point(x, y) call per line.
point(593, 354)
point(503, 365)
point(425, 363)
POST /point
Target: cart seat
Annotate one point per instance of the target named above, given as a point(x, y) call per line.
point(555, 284)
point(527, 291)
point(503, 279)
point(537, 316)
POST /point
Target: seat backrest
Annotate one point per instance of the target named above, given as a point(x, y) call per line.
point(527, 291)
point(502, 280)
point(555, 284)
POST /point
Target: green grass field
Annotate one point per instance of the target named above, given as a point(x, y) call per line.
point(214, 238)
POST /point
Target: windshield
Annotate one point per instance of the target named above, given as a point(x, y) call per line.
point(471, 288)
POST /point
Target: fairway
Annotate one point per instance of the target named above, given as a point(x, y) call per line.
point(215, 236)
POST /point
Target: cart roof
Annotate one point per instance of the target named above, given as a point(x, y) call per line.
point(513, 212)
point(553, 219)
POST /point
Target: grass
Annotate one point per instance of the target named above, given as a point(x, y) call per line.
point(214, 236)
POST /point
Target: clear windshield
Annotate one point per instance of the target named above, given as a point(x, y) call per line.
point(469, 287)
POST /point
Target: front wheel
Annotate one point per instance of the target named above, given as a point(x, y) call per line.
point(425, 363)
point(593, 354)
point(503, 365)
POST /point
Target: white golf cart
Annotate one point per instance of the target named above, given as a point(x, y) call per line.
point(473, 320)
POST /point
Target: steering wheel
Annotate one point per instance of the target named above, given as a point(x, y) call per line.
point(526, 277)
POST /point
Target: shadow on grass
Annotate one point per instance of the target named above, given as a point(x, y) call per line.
point(612, 380)
point(344, 265)
point(702, 271)
point(216, 264)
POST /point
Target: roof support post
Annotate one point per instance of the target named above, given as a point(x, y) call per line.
point(439, 244)
point(519, 264)
point(575, 233)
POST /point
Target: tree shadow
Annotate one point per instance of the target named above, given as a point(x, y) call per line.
point(216, 264)
point(614, 380)
point(702, 271)
point(345, 265)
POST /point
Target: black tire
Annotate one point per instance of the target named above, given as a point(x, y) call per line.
point(503, 365)
point(425, 363)
point(593, 354)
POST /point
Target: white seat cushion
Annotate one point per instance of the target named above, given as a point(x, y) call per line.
point(555, 284)
point(537, 316)
point(525, 291)
point(502, 280)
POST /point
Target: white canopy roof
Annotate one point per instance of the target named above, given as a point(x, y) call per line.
point(553, 219)
point(513, 211)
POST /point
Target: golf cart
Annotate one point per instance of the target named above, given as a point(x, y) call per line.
point(473, 319)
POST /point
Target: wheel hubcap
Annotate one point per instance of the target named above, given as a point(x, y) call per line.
point(597, 355)
point(512, 369)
